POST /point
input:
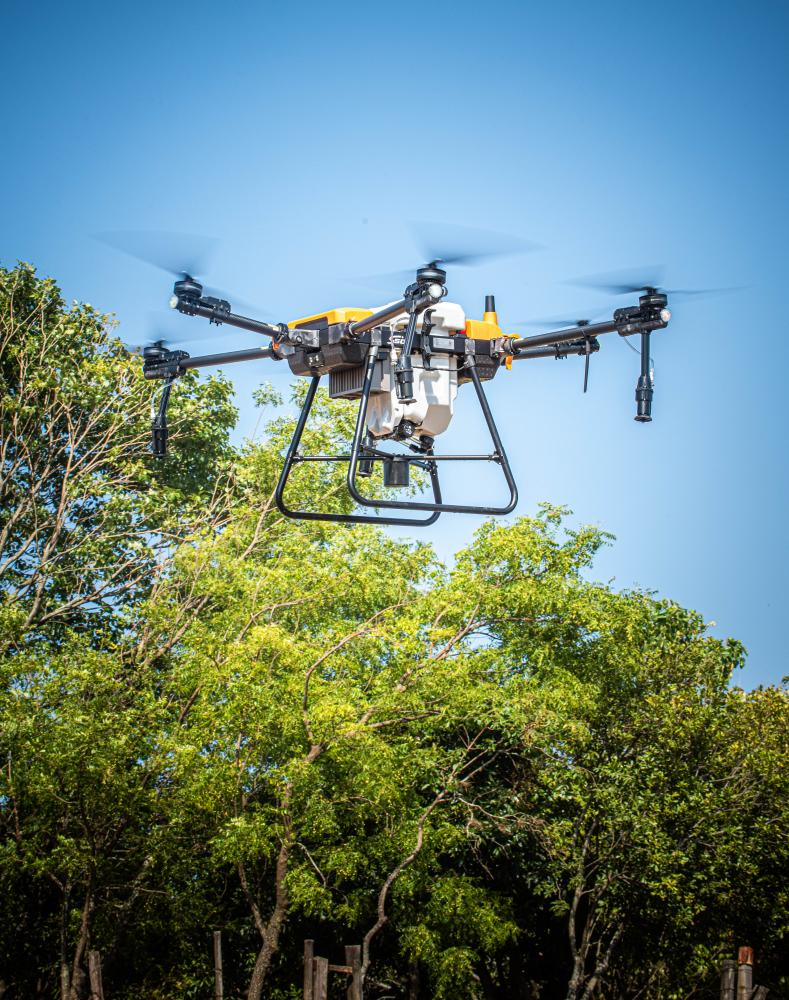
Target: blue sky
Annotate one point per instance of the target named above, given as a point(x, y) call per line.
point(305, 137)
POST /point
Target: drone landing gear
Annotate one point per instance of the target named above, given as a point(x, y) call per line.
point(395, 466)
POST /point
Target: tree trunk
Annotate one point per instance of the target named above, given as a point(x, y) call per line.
point(602, 965)
point(65, 974)
point(577, 950)
point(65, 981)
point(413, 980)
point(123, 916)
point(271, 931)
point(78, 977)
point(486, 980)
point(267, 952)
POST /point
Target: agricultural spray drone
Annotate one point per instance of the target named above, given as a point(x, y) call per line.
point(404, 363)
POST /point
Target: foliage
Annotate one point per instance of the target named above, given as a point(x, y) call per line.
point(80, 501)
point(503, 779)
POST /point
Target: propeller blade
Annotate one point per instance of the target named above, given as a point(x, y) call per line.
point(168, 331)
point(175, 253)
point(634, 281)
point(553, 324)
point(391, 281)
point(687, 293)
point(178, 254)
point(465, 246)
point(558, 322)
point(447, 245)
point(623, 282)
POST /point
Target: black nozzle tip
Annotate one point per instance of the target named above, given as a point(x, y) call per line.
point(159, 437)
point(490, 303)
point(404, 386)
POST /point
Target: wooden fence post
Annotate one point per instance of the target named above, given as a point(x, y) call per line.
point(219, 986)
point(729, 979)
point(353, 958)
point(320, 978)
point(744, 973)
point(94, 976)
point(309, 952)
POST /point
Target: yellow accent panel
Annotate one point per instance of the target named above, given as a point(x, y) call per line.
point(345, 315)
point(482, 329)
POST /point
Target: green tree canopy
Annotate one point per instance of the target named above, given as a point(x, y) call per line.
point(502, 779)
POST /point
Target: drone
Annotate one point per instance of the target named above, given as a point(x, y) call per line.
point(403, 363)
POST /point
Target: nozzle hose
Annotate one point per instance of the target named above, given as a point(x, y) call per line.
point(159, 432)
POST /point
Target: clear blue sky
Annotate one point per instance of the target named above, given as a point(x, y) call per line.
point(305, 136)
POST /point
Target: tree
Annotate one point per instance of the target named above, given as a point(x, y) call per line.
point(631, 838)
point(87, 523)
point(314, 699)
point(85, 513)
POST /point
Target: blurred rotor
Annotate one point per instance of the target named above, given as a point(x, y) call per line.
point(559, 322)
point(175, 253)
point(178, 254)
point(632, 281)
point(166, 332)
point(448, 245)
point(464, 246)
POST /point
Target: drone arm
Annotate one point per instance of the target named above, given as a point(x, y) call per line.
point(413, 305)
point(230, 357)
point(175, 363)
point(526, 345)
point(625, 322)
point(650, 315)
point(588, 346)
point(219, 315)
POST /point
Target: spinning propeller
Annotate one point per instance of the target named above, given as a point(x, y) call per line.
point(558, 322)
point(176, 253)
point(164, 335)
point(646, 279)
point(185, 256)
point(463, 246)
point(444, 245)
